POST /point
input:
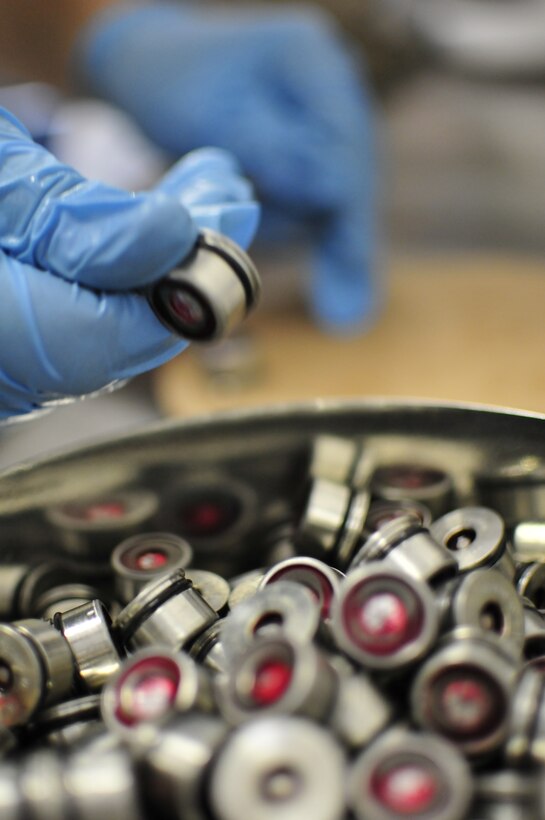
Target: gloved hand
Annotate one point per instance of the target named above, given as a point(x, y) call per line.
point(72, 252)
point(278, 88)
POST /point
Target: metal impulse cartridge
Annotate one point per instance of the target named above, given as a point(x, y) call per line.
point(210, 292)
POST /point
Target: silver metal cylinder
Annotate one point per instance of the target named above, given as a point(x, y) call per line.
point(320, 579)
point(68, 723)
point(90, 528)
point(526, 730)
point(381, 512)
point(36, 668)
point(281, 767)
point(333, 521)
point(509, 795)
point(175, 768)
point(323, 518)
point(86, 629)
point(277, 676)
point(38, 582)
point(528, 540)
point(531, 584)
point(63, 598)
point(475, 536)
point(486, 599)
point(102, 785)
point(245, 586)
point(515, 487)
point(151, 688)
point(407, 546)
point(334, 458)
point(210, 293)
point(139, 559)
point(462, 691)
point(416, 482)
point(404, 774)
point(283, 608)
point(360, 712)
point(213, 587)
point(534, 632)
point(167, 612)
point(207, 649)
point(383, 618)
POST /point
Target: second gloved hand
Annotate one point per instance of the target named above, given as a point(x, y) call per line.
point(72, 255)
point(278, 88)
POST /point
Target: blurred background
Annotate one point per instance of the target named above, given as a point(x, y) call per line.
point(460, 116)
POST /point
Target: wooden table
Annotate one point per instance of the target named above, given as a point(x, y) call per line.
point(464, 328)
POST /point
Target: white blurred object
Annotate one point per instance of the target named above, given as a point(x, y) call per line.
point(103, 144)
point(504, 38)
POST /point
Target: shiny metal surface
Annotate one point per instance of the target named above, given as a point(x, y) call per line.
point(174, 769)
point(466, 439)
point(486, 599)
point(282, 608)
point(475, 537)
point(219, 281)
point(278, 676)
point(278, 768)
point(407, 774)
point(87, 630)
point(139, 559)
point(383, 618)
point(166, 612)
point(322, 580)
point(473, 662)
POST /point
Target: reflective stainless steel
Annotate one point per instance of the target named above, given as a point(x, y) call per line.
point(210, 293)
point(486, 599)
point(384, 618)
point(534, 631)
point(462, 691)
point(322, 581)
point(278, 767)
point(414, 481)
point(139, 559)
point(173, 770)
point(334, 458)
point(476, 538)
point(282, 608)
point(531, 584)
point(36, 668)
point(407, 546)
point(277, 676)
point(528, 542)
point(87, 630)
point(152, 686)
point(214, 589)
point(360, 712)
point(404, 774)
point(245, 586)
point(510, 794)
point(166, 612)
point(89, 528)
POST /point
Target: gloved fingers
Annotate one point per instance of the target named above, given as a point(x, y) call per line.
point(60, 339)
point(206, 176)
point(54, 220)
point(345, 289)
point(208, 182)
point(237, 220)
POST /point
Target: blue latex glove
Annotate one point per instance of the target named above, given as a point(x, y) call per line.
point(275, 86)
point(73, 251)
